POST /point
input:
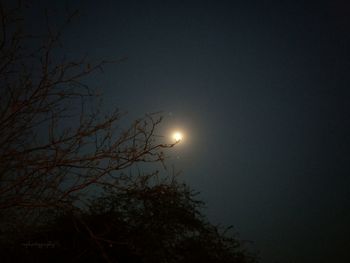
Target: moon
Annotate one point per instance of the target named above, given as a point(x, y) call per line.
point(177, 136)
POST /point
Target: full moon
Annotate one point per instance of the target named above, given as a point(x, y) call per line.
point(177, 136)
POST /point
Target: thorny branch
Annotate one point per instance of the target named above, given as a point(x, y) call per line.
point(44, 163)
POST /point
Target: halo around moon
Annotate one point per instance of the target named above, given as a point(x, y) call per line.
point(177, 136)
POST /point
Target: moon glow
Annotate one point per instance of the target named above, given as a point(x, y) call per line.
point(177, 136)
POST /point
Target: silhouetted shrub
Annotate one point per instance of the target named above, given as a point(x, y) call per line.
point(143, 223)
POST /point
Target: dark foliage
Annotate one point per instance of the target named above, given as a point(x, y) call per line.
point(139, 223)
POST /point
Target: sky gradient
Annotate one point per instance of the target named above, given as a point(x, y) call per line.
point(261, 89)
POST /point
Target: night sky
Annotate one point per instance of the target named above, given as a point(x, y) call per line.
point(261, 91)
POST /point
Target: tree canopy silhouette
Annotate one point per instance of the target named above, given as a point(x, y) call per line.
point(55, 152)
point(143, 221)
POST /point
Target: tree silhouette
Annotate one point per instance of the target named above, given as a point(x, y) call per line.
point(54, 150)
point(53, 147)
point(143, 221)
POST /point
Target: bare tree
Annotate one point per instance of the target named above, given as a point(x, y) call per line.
point(56, 151)
point(45, 160)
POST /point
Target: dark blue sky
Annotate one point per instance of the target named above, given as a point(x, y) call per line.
point(262, 90)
